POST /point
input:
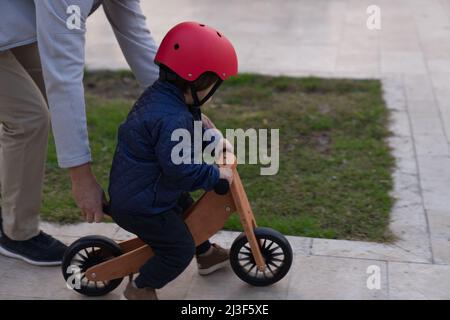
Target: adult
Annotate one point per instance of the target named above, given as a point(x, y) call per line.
point(42, 60)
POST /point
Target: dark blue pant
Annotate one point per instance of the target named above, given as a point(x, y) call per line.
point(170, 240)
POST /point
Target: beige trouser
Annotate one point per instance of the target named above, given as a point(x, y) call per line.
point(24, 127)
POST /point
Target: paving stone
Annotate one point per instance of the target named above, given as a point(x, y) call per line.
point(418, 281)
point(399, 123)
point(330, 278)
point(80, 229)
point(403, 62)
point(368, 250)
point(418, 87)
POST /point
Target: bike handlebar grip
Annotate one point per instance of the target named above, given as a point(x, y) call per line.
point(222, 187)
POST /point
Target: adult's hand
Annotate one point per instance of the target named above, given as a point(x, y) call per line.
point(87, 193)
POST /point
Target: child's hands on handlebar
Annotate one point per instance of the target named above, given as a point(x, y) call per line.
point(226, 173)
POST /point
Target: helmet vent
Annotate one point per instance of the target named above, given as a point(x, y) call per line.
point(219, 34)
point(176, 46)
point(201, 25)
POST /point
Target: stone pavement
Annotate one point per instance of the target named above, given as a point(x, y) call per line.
point(411, 56)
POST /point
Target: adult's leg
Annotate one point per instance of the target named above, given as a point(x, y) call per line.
point(24, 119)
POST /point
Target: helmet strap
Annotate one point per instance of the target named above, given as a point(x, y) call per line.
point(197, 101)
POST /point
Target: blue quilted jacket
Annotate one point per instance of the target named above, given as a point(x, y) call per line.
point(143, 178)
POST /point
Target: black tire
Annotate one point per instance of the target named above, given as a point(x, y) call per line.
point(87, 252)
point(277, 253)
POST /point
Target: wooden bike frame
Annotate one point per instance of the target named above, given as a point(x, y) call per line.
point(204, 219)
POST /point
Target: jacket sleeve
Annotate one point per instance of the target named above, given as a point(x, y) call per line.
point(135, 40)
point(187, 175)
point(60, 28)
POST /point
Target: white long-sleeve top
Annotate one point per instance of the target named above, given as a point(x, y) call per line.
point(59, 27)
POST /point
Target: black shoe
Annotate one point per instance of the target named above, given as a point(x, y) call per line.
point(41, 250)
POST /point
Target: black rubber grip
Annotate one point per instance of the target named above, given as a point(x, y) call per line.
point(222, 187)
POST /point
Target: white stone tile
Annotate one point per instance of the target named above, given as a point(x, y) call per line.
point(80, 229)
point(394, 91)
point(399, 123)
point(434, 168)
point(424, 124)
point(439, 65)
point(368, 250)
point(441, 249)
point(358, 62)
point(403, 146)
point(439, 223)
point(418, 87)
point(426, 108)
point(335, 278)
point(403, 63)
point(435, 194)
point(441, 84)
point(431, 145)
point(418, 281)
point(406, 165)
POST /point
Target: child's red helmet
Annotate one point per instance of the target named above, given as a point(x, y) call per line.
point(190, 49)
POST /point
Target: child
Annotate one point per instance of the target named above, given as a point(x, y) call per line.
point(148, 191)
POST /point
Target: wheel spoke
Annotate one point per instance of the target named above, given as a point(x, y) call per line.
point(82, 256)
point(246, 253)
point(250, 270)
point(270, 245)
point(78, 260)
point(245, 259)
point(270, 269)
point(277, 254)
point(248, 248)
point(264, 243)
point(248, 263)
point(95, 252)
point(276, 259)
point(274, 249)
point(273, 264)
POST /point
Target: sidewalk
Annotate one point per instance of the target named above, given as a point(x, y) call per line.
point(411, 56)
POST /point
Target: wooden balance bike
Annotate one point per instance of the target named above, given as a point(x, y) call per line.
point(258, 256)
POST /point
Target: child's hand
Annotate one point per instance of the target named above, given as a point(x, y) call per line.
point(226, 173)
point(207, 123)
point(226, 145)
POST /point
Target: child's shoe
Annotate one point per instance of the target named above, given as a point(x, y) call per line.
point(215, 259)
point(134, 293)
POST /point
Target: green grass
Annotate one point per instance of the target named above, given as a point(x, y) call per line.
point(334, 177)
